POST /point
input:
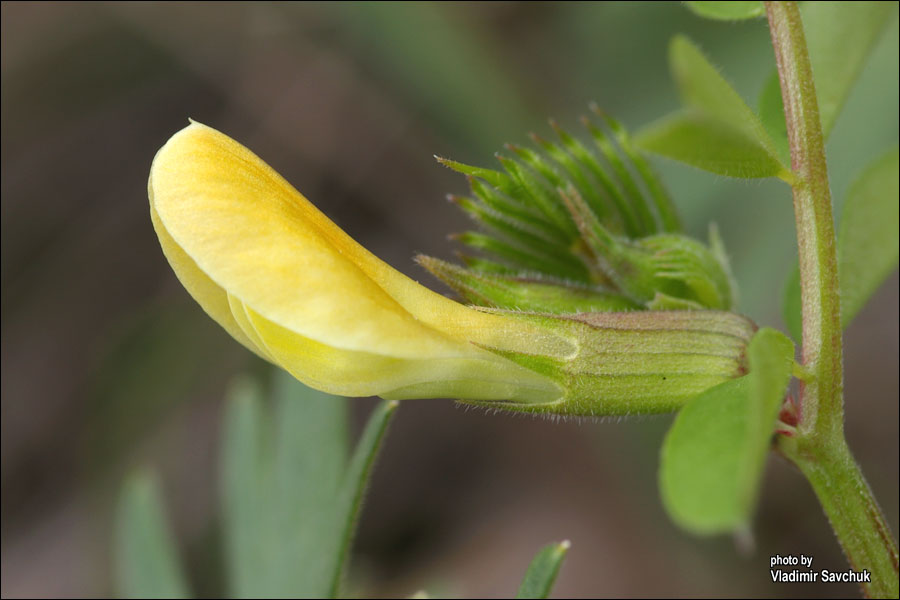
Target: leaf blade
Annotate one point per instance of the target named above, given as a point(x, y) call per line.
point(703, 88)
point(309, 460)
point(712, 457)
point(711, 145)
point(792, 303)
point(840, 37)
point(867, 241)
point(147, 564)
point(770, 355)
point(868, 237)
point(283, 470)
point(356, 479)
point(727, 11)
point(771, 114)
point(703, 505)
point(542, 572)
point(241, 480)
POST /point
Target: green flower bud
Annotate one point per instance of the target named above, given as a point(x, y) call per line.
point(597, 218)
point(660, 271)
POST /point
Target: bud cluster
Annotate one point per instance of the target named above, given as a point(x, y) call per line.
point(574, 228)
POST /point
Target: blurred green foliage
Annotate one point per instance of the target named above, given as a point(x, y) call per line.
point(290, 501)
point(290, 498)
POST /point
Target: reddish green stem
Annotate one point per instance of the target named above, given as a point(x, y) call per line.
point(822, 397)
point(819, 448)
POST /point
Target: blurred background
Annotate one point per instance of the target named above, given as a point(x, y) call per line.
point(108, 364)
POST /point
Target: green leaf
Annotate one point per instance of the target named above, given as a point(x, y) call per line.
point(836, 65)
point(791, 304)
point(771, 113)
point(727, 11)
point(309, 459)
point(711, 145)
point(703, 88)
point(699, 481)
point(147, 564)
point(840, 36)
point(543, 570)
point(242, 494)
point(868, 242)
point(290, 499)
point(713, 456)
point(868, 237)
point(356, 478)
point(771, 360)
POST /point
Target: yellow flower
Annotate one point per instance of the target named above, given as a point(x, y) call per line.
point(295, 289)
point(292, 287)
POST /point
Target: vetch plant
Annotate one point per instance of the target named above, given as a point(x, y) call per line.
point(583, 296)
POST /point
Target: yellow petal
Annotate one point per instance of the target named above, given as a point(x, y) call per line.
point(290, 285)
point(215, 300)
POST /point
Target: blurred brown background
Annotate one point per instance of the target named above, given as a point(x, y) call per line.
point(107, 363)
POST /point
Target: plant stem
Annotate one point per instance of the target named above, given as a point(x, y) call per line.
point(822, 404)
point(854, 514)
point(819, 448)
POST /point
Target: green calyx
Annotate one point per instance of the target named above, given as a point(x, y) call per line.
point(637, 362)
point(580, 227)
